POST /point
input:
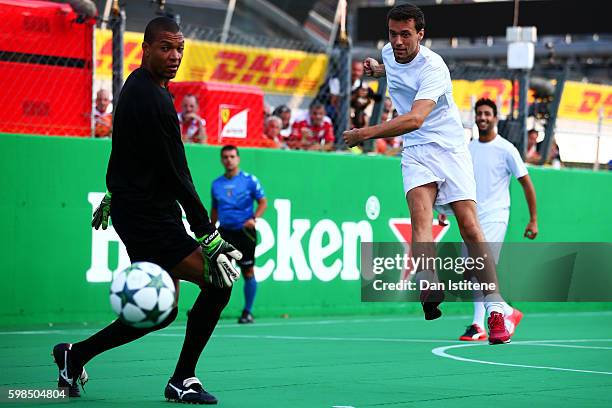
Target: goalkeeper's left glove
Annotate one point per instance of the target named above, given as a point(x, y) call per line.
point(220, 272)
point(102, 213)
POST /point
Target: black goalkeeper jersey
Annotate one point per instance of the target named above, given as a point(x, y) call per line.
point(147, 171)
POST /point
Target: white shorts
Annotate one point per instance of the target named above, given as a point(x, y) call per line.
point(494, 233)
point(451, 169)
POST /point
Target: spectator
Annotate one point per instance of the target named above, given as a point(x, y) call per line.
point(272, 136)
point(329, 96)
point(103, 120)
point(359, 119)
point(313, 133)
point(554, 158)
point(267, 110)
point(284, 113)
point(390, 146)
point(362, 97)
point(385, 116)
point(193, 127)
point(387, 104)
point(532, 156)
point(360, 100)
point(356, 74)
point(331, 93)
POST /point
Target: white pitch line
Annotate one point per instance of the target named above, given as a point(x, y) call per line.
point(441, 352)
point(569, 346)
point(37, 332)
point(373, 319)
point(343, 339)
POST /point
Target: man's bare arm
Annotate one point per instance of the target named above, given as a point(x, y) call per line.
point(405, 123)
point(531, 231)
point(262, 204)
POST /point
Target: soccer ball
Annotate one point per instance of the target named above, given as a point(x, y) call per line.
point(142, 295)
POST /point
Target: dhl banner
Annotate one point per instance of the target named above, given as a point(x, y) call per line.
point(301, 73)
point(585, 101)
point(466, 92)
point(580, 101)
point(274, 70)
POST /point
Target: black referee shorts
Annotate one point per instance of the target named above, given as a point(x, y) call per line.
point(245, 240)
point(153, 236)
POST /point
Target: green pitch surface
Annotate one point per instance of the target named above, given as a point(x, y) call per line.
point(555, 359)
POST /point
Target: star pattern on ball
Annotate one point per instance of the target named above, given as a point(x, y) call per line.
point(153, 314)
point(129, 269)
point(156, 282)
point(127, 295)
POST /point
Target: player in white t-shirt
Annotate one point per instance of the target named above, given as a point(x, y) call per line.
point(496, 160)
point(436, 164)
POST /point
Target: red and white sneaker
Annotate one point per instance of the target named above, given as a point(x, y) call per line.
point(474, 333)
point(498, 334)
point(513, 320)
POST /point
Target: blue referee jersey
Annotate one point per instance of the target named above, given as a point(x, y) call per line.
point(233, 199)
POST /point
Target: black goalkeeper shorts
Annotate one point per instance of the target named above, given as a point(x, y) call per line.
point(153, 236)
point(245, 240)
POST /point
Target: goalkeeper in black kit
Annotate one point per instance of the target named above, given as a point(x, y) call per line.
point(147, 179)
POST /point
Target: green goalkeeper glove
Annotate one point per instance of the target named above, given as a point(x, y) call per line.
point(220, 272)
point(102, 213)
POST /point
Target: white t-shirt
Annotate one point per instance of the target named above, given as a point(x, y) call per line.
point(494, 163)
point(425, 77)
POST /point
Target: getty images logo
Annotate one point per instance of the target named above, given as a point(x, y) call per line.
point(329, 252)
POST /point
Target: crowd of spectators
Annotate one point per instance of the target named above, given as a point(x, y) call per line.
point(313, 129)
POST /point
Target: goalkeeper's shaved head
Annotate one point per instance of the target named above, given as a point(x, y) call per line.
point(162, 49)
point(159, 25)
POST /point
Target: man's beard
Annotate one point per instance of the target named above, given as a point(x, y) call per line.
point(484, 132)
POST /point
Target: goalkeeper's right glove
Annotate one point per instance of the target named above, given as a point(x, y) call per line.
point(102, 213)
point(220, 272)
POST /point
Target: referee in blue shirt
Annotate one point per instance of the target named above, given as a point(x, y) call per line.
point(232, 195)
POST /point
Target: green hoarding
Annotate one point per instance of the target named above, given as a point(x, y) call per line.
point(321, 206)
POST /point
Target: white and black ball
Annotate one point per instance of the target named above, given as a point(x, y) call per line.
point(142, 295)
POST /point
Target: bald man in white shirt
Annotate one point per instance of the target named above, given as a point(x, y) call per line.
point(436, 164)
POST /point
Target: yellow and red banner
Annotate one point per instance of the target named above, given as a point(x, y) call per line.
point(580, 101)
point(466, 92)
point(272, 69)
point(300, 73)
point(585, 101)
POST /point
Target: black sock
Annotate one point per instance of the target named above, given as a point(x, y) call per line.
point(201, 322)
point(114, 335)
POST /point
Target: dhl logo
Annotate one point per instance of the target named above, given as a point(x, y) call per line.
point(586, 101)
point(497, 90)
point(274, 70)
point(593, 101)
point(579, 100)
point(258, 69)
